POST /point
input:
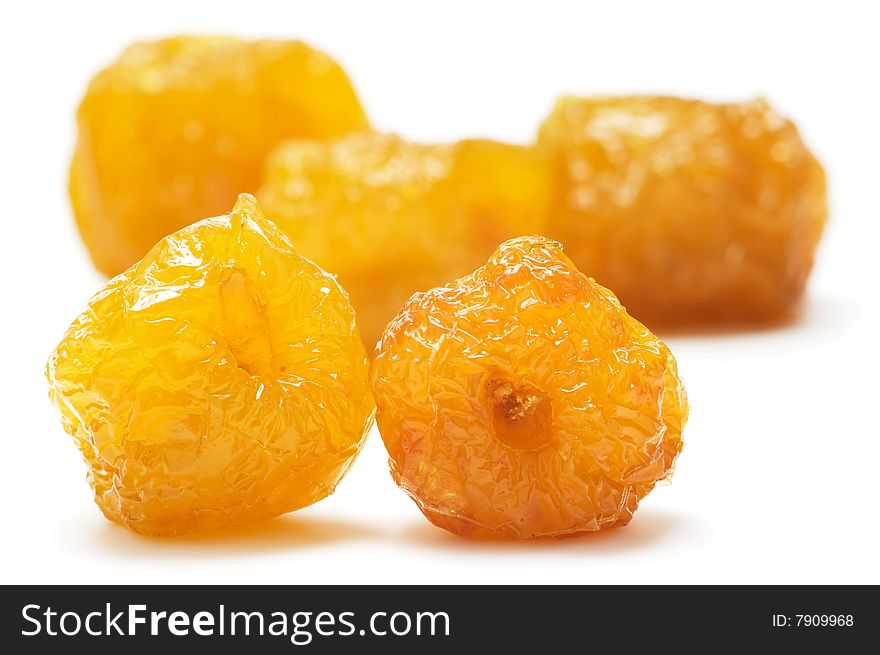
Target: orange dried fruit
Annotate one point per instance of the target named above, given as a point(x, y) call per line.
point(523, 401)
point(691, 212)
point(176, 129)
point(392, 217)
point(219, 381)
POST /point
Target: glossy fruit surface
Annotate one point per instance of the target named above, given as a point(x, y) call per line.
point(691, 212)
point(219, 381)
point(392, 217)
point(523, 401)
point(175, 129)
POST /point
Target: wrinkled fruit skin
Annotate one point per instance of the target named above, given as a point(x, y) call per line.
point(219, 381)
point(691, 212)
point(175, 129)
point(523, 401)
point(392, 217)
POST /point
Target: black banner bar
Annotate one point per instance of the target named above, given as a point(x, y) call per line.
point(336, 619)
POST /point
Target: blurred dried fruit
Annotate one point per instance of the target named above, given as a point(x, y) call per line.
point(219, 381)
point(690, 212)
point(392, 217)
point(523, 401)
point(177, 128)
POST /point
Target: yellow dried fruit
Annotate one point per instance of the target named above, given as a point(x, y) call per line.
point(691, 212)
point(392, 217)
point(219, 381)
point(523, 401)
point(175, 129)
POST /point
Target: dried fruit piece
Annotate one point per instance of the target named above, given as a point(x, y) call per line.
point(392, 217)
point(175, 129)
point(523, 401)
point(219, 381)
point(691, 212)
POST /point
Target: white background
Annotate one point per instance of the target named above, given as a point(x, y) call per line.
point(778, 481)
